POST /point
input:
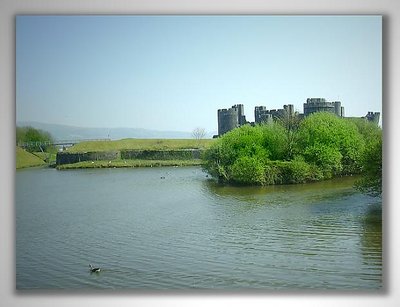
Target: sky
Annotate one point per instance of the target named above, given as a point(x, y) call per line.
point(172, 73)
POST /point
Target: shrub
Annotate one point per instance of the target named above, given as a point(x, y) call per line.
point(332, 143)
point(248, 170)
point(288, 172)
point(327, 158)
point(371, 182)
point(245, 141)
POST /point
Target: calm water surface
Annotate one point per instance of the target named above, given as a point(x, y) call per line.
point(184, 231)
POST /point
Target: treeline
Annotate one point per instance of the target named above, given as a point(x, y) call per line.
point(291, 150)
point(30, 134)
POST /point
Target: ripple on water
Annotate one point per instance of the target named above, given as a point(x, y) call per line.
point(187, 232)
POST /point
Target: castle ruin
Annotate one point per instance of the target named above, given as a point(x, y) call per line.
point(234, 117)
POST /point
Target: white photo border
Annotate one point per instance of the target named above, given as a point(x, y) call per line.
point(389, 9)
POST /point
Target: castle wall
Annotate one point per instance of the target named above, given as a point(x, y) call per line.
point(69, 158)
point(178, 154)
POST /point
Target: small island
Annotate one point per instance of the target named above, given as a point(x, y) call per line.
point(296, 150)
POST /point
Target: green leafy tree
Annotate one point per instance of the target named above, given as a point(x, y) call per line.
point(32, 135)
point(370, 131)
point(371, 181)
point(332, 143)
point(291, 124)
point(245, 141)
point(371, 162)
point(274, 140)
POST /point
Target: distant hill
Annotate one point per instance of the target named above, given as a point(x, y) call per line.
point(63, 132)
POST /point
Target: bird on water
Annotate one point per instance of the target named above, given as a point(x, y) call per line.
point(93, 269)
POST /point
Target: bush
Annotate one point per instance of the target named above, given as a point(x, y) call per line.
point(288, 172)
point(245, 141)
point(332, 143)
point(273, 174)
point(248, 170)
point(298, 172)
point(327, 158)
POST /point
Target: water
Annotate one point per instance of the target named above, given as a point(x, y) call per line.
point(185, 231)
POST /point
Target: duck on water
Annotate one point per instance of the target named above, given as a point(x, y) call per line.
point(93, 269)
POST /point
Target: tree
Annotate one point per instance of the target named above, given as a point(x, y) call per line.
point(245, 141)
point(198, 134)
point(371, 182)
point(32, 135)
point(273, 140)
point(334, 144)
point(291, 123)
point(371, 160)
point(240, 154)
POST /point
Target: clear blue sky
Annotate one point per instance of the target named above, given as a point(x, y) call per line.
point(174, 72)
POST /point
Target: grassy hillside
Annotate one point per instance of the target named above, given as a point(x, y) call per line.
point(26, 159)
point(144, 144)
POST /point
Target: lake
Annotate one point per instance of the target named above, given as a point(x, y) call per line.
point(175, 228)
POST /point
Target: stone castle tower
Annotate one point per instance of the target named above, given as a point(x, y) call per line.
point(313, 105)
point(231, 118)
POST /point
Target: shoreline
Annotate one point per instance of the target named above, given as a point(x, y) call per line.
point(129, 164)
point(125, 153)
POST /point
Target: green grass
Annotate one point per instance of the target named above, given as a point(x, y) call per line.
point(45, 156)
point(142, 144)
point(26, 159)
point(129, 163)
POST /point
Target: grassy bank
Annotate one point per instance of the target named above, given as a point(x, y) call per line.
point(154, 153)
point(128, 163)
point(142, 144)
point(27, 159)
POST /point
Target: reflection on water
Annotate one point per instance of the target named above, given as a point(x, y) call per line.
point(173, 228)
point(371, 239)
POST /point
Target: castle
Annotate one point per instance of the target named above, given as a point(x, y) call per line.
point(234, 117)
